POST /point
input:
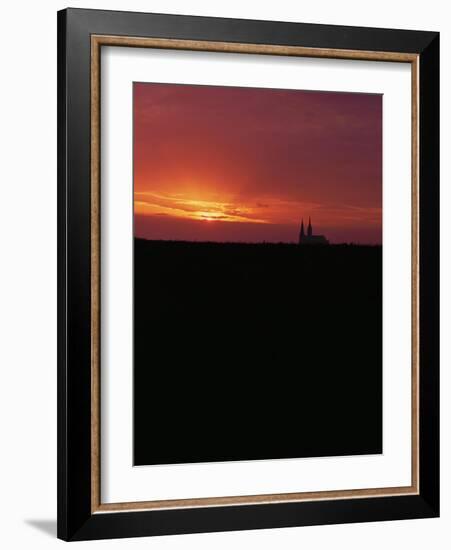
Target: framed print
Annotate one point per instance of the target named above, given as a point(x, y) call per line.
point(248, 274)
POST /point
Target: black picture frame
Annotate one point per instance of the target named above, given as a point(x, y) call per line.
point(76, 519)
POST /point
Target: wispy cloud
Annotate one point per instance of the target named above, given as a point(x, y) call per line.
point(179, 205)
point(196, 209)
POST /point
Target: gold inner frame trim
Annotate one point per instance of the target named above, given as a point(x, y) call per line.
point(97, 41)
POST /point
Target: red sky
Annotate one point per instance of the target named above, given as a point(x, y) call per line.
point(246, 164)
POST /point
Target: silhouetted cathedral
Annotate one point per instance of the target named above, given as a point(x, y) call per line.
point(310, 238)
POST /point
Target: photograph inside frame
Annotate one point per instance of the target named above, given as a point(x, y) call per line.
point(257, 273)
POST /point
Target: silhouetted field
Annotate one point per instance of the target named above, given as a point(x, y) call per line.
point(253, 351)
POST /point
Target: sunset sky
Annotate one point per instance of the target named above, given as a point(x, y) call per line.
point(246, 164)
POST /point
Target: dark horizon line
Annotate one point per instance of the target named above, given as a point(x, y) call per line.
point(266, 243)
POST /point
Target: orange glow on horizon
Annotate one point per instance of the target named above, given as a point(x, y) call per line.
point(184, 206)
point(188, 207)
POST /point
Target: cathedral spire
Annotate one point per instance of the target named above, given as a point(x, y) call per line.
point(309, 238)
